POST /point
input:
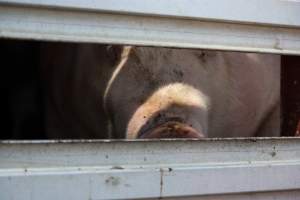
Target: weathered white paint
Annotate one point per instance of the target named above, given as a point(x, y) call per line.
point(152, 169)
point(84, 25)
point(275, 12)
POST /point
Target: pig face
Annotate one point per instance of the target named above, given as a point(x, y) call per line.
point(179, 93)
point(152, 95)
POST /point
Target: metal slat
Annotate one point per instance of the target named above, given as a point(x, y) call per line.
point(273, 12)
point(114, 28)
point(152, 169)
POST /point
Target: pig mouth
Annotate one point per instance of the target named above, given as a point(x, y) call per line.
point(170, 129)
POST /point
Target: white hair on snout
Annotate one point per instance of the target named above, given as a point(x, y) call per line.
point(162, 98)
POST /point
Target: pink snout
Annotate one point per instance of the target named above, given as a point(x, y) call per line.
point(172, 130)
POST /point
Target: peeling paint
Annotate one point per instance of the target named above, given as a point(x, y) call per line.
point(113, 181)
point(273, 153)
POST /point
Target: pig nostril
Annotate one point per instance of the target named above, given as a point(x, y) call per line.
point(172, 130)
point(157, 121)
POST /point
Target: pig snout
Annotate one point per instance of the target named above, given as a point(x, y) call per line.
point(172, 130)
point(176, 110)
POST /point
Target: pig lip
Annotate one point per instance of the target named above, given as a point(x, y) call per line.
point(171, 129)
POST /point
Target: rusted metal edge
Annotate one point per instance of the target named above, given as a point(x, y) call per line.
point(66, 141)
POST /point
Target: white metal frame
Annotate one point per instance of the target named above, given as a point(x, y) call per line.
point(206, 169)
point(163, 23)
point(239, 11)
point(149, 169)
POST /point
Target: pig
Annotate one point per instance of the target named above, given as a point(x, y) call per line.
point(181, 93)
point(105, 91)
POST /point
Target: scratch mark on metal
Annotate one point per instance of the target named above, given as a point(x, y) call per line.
point(161, 182)
point(117, 167)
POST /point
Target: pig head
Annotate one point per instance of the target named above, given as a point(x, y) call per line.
point(103, 91)
point(180, 93)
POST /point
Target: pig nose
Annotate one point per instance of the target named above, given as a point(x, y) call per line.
point(172, 130)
